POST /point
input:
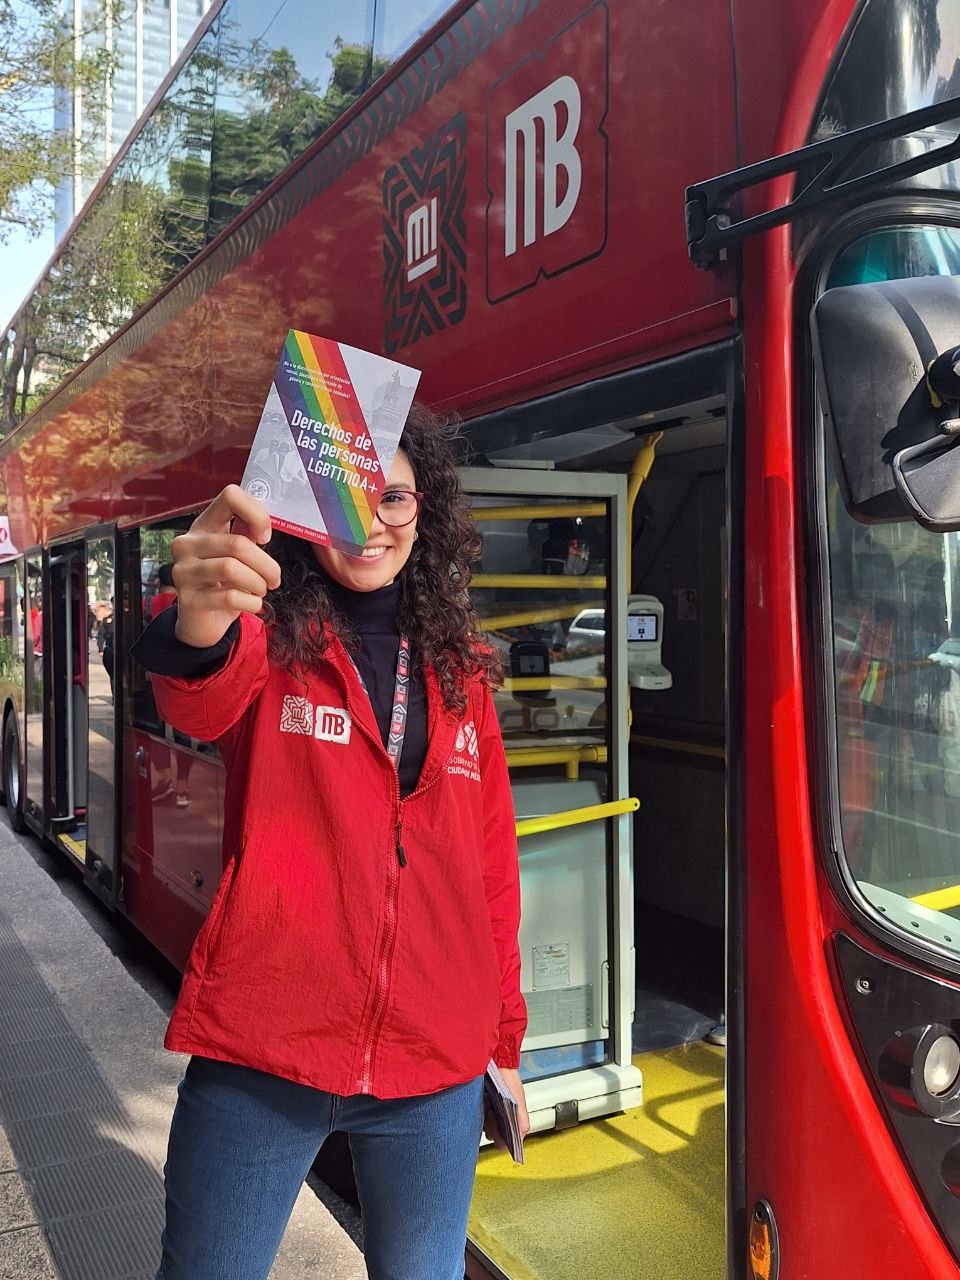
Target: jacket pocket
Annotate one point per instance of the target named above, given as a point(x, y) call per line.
point(213, 925)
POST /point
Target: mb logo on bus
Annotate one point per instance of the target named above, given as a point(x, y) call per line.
point(547, 159)
point(425, 238)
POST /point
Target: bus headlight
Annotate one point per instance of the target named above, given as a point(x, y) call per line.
point(941, 1066)
point(920, 1070)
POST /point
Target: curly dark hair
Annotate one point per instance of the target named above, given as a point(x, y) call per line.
point(434, 611)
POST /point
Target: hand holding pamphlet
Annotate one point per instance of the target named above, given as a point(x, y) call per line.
point(503, 1104)
point(327, 438)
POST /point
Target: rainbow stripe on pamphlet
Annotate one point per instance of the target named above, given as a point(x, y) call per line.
point(327, 437)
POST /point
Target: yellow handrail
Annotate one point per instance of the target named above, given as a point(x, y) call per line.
point(572, 757)
point(642, 465)
point(504, 621)
point(671, 744)
point(520, 684)
point(535, 581)
point(531, 511)
point(940, 899)
point(573, 817)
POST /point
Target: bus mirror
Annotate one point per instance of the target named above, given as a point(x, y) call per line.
point(884, 351)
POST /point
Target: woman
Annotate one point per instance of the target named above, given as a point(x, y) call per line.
point(359, 965)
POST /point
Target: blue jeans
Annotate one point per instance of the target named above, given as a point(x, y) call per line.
point(242, 1142)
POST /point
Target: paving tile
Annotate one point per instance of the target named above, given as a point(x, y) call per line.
point(112, 1244)
point(33, 1024)
point(69, 1136)
point(52, 1093)
point(36, 1057)
point(24, 992)
point(111, 1176)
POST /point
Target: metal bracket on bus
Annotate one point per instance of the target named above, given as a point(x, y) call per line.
point(713, 228)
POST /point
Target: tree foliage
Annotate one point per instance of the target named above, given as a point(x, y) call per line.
point(40, 64)
point(194, 166)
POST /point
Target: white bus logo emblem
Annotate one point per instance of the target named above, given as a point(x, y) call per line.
point(559, 152)
point(422, 240)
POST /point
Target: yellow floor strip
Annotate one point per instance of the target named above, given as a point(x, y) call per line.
point(639, 1194)
point(77, 847)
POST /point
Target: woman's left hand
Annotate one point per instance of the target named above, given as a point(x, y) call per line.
point(490, 1127)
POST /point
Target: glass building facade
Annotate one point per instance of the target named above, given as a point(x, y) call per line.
point(146, 40)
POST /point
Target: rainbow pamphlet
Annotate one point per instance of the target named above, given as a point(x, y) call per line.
point(326, 439)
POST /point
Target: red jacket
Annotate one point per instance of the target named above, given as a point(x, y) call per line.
point(322, 958)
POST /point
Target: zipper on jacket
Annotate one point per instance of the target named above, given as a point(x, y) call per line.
point(383, 978)
point(388, 944)
point(385, 958)
point(389, 939)
point(379, 1011)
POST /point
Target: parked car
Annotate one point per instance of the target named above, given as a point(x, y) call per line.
point(948, 655)
point(588, 630)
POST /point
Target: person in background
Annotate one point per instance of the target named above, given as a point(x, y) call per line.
point(36, 629)
point(166, 594)
point(105, 641)
point(360, 965)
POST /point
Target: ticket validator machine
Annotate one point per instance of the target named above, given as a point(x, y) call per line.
point(644, 641)
point(564, 721)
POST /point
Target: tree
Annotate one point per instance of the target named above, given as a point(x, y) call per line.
point(282, 113)
point(40, 65)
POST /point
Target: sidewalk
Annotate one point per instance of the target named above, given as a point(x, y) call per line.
point(86, 1096)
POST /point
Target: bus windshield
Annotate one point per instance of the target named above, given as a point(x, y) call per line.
point(895, 607)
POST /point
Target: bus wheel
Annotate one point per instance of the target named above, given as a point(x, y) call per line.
point(11, 773)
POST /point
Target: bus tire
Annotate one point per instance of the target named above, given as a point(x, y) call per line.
point(11, 773)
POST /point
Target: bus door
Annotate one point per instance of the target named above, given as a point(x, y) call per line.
point(603, 585)
point(173, 784)
point(554, 551)
point(67, 637)
point(34, 805)
point(12, 672)
point(101, 870)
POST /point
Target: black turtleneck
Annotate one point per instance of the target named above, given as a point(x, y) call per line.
point(371, 637)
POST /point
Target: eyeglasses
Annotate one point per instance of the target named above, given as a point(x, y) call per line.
point(399, 507)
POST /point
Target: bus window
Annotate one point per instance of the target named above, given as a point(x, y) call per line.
point(399, 23)
point(11, 631)
point(286, 72)
point(157, 593)
point(895, 599)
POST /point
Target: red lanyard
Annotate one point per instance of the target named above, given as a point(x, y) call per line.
point(401, 689)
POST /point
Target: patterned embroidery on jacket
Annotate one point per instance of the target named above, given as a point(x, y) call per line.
point(296, 715)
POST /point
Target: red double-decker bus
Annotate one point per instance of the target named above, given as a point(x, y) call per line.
point(712, 460)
